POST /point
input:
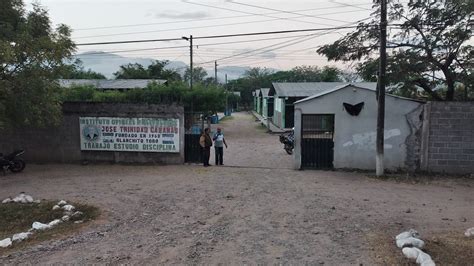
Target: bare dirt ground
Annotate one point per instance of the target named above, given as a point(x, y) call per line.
point(255, 209)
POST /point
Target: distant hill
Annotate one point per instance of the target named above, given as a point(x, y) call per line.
point(108, 63)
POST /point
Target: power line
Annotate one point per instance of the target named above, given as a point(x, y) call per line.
point(217, 36)
point(259, 49)
point(286, 45)
point(218, 18)
point(132, 41)
point(200, 45)
point(257, 14)
point(284, 11)
point(196, 27)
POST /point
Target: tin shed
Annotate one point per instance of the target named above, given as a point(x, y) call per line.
point(285, 94)
point(337, 129)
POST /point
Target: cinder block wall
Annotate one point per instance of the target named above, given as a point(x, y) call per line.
point(62, 143)
point(450, 137)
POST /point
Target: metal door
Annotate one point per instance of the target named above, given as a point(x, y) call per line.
point(317, 144)
point(194, 124)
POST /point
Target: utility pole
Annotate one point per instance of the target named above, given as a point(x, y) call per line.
point(215, 71)
point(226, 97)
point(379, 166)
point(190, 39)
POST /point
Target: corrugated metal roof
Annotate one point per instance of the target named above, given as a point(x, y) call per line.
point(354, 85)
point(110, 84)
point(305, 89)
point(264, 92)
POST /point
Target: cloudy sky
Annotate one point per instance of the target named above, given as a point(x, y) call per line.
point(117, 20)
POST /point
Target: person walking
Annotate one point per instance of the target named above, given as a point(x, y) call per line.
point(206, 142)
point(219, 142)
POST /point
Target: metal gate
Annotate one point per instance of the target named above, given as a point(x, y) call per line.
point(194, 123)
point(317, 144)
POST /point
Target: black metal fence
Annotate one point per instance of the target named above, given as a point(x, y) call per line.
point(317, 144)
point(194, 124)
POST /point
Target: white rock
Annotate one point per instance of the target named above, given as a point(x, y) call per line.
point(416, 254)
point(65, 218)
point(411, 253)
point(20, 198)
point(29, 198)
point(55, 222)
point(7, 200)
point(21, 236)
point(77, 214)
point(40, 226)
point(5, 243)
point(424, 259)
point(56, 207)
point(407, 234)
point(410, 242)
point(37, 201)
point(469, 232)
point(62, 202)
point(68, 208)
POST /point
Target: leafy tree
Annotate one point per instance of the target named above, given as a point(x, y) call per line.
point(157, 70)
point(429, 37)
point(76, 71)
point(256, 78)
point(132, 71)
point(32, 56)
point(199, 74)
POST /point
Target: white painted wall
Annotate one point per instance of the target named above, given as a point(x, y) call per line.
point(354, 136)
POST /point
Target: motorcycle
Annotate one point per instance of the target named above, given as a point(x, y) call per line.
point(288, 140)
point(12, 162)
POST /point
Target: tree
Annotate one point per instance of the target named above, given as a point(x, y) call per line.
point(132, 71)
point(76, 71)
point(32, 56)
point(157, 70)
point(199, 74)
point(430, 42)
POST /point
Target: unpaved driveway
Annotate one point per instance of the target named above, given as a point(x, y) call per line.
point(263, 212)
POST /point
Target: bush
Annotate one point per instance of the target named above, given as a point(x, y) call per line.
point(208, 99)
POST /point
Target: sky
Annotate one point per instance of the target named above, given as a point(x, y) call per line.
point(118, 20)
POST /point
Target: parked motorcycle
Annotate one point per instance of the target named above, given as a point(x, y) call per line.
point(12, 162)
point(288, 140)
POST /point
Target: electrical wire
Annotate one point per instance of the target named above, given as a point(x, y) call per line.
point(284, 11)
point(256, 14)
point(188, 28)
point(218, 18)
point(216, 36)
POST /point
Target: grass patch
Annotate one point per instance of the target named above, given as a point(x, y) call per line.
point(17, 218)
point(450, 248)
point(226, 118)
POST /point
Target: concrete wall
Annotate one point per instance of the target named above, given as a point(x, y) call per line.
point(62, 144)
point(354, 136)
point(448, 137)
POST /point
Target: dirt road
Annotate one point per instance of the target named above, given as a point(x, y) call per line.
point(258, 212)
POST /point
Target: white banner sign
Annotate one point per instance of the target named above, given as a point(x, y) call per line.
point(129, 134)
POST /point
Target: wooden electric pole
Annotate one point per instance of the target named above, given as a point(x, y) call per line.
point(190, 39)
point(215, 71)
point(379, 159)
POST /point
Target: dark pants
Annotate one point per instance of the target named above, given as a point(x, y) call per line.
point(219, 155)
point(206, 153)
